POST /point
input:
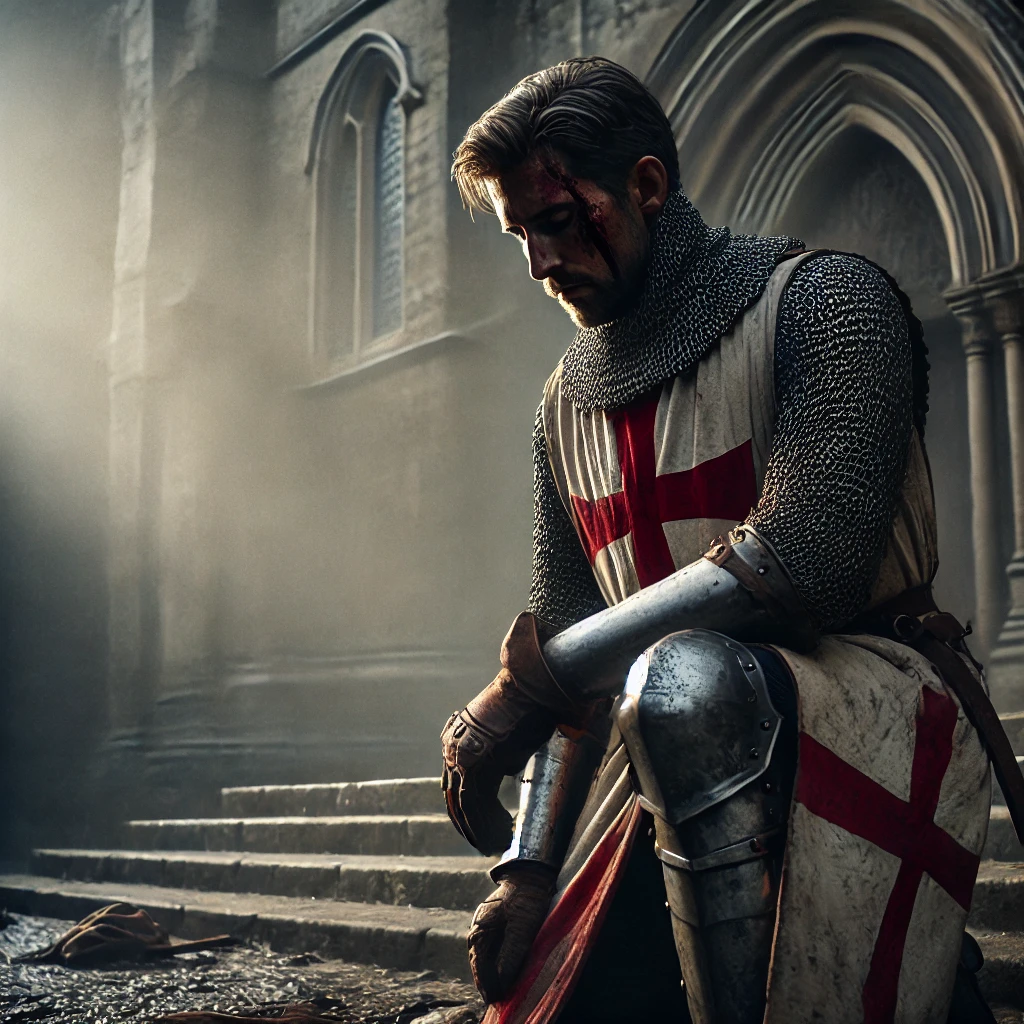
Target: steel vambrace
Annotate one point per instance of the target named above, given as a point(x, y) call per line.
point(555, 784)
point(739, 588)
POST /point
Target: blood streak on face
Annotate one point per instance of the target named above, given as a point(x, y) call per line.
point(591, 229)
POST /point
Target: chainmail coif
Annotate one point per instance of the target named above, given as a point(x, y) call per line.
point(699, 280)
point(850, 384)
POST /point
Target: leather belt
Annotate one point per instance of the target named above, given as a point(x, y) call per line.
point(913, 619)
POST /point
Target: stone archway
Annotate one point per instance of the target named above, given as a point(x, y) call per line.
point(760, 91)
point(755, 90)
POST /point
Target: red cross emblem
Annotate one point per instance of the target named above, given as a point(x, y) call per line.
point(834, 790)
point(721, 488)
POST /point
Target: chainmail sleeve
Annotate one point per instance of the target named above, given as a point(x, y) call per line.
point(563, 589)
point(845, 399)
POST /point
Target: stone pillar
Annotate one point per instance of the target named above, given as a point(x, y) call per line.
point(129, 577)
point(1004, 297)
point(203, 339)
point(183, 732)
point(127, 380)
point(979, 346)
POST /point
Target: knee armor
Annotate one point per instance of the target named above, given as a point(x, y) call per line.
point(704, 744)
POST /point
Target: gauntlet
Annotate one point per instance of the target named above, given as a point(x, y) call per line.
point(495, 734)
point(505, 925)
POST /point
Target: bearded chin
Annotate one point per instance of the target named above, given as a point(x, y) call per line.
point(602, 308)
point(580, 317)
point(614, 299)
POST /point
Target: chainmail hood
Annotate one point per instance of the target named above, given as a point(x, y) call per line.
point(699, 280)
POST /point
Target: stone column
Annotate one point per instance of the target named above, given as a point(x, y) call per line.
point(182, 735)
point(202, 339)
point(129, 576)
point(127, 380)
point(1004, 296)
point(979, 345)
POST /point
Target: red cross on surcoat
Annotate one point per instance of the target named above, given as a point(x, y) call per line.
point(834, 790)
point(721, 488)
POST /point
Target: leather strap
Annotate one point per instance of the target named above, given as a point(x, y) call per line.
point(912, 618)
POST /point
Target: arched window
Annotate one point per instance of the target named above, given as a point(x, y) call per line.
point(358, 156)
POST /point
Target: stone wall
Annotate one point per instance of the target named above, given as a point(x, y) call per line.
point(339, 553)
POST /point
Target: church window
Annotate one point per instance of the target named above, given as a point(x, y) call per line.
point(358, 158)
point(389, 203)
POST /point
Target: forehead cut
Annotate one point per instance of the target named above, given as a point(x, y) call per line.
point(528, 189)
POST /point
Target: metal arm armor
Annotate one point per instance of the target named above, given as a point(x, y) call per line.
point(555, 785)
point(740, 588)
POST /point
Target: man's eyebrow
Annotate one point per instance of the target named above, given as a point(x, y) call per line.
point(545, 214)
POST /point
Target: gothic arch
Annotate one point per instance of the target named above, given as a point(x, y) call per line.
point(357, 160)
point(755, 89)
point(367, 46)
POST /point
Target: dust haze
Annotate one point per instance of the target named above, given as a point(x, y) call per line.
point(223, 559)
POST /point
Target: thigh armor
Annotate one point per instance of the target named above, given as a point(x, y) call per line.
point(713, 764)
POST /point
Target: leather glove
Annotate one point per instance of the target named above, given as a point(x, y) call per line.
point(505, 925)
point(497, 732)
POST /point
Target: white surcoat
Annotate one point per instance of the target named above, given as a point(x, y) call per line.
point(869, 921)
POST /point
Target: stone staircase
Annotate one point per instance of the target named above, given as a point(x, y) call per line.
point(373, 872)
point(366, 871)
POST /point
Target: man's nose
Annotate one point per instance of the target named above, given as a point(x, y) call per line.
point(544, 258)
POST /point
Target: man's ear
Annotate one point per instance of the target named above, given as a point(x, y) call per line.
point(648, 181)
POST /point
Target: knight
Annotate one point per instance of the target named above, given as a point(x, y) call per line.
point(755, 754)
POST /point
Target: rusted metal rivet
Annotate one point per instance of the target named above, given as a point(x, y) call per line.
point(766, 724)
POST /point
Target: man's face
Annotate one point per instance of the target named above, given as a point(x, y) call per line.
point(589, 248)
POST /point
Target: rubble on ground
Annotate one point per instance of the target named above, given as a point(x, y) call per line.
point(244, 980)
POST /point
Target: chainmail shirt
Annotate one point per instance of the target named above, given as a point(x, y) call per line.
point(563, 589)
point(850, 383)
point(844, 395)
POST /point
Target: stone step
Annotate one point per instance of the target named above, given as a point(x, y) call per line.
point(998, 901)
point(997, 793)
point(381, 796)
point(1002, 843)
point(404, 938)
point(1013, 723)
point(456, 883)
point(1001, 978)
point(428, 835)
